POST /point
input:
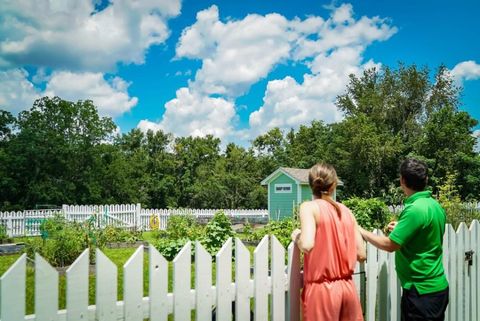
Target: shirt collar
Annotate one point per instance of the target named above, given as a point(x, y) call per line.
point(412, 198)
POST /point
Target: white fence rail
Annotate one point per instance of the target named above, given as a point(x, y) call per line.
point(27, 223)
point(468, 206)
point(274, 286)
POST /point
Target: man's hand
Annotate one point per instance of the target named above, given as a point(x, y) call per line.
point(391, 225)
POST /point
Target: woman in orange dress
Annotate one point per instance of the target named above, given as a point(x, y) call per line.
point(332, 243)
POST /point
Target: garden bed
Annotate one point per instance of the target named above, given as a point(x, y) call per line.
point(11, 248)
point(124, 245)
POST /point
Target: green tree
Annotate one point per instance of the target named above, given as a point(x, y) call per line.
point(195, 157)
point(391, 114)
point(54, 156)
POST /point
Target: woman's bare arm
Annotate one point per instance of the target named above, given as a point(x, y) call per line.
point(360, 243)
point(305, 237)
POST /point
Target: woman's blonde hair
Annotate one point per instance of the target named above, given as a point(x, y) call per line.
point(321, 178)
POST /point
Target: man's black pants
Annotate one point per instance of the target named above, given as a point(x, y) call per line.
point(426, 307)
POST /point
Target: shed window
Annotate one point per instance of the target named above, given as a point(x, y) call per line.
point(283, 188)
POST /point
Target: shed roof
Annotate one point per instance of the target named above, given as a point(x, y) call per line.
point(298, 174)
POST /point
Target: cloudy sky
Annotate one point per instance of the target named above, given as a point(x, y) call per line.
point(233, 69)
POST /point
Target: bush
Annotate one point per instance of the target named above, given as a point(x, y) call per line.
point(217, 231)
point(455, 209)
point(181, 226)
point(281, 229)
point(112, 234)
point(3, 235)
point(63, 241)
point(370, 213)
point(170, 248)
point(184, 228)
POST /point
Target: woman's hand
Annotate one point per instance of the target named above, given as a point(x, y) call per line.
point(295, 235)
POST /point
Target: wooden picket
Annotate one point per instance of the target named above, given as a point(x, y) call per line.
point(274, 286)
point(474, 270)
point(203, 283)
point(260, 270)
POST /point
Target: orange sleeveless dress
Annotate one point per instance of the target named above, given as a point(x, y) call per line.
point(329, 292)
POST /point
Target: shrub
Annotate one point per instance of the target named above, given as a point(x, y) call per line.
point(170, 248)
point(217, 231)
point(184, 228)
point(3, 235)
point(181, 226)
point(112, 234)
point(281, 229)
point(62, 241)
point(370, 213)
point(455, 209)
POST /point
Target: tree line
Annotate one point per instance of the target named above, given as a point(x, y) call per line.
point(62, 152)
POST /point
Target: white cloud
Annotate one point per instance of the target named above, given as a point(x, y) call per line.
point(71, 34)
point(16, 91)
point(336, 54)
point(238, 53)
point(466, 70)
point(192, 114)
point(110, 97)
point(476, 134)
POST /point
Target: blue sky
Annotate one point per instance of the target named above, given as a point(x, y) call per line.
point(233, 69)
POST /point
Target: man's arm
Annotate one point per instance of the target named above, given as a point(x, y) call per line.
point(380, 241)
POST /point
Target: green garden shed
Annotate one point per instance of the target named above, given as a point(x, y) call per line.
point(287, 188)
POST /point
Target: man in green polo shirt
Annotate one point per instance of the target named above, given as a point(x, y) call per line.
point(417, 240)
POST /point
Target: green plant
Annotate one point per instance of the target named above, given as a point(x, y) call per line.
point(3, 234)
point(183, 226)
point(247, 231)
point(63, 242)
point(51, 226)
point(217, 231)
point(281, 229)
point(371, 213)
point(455, 210)
point(170, 248)
point(111, 234)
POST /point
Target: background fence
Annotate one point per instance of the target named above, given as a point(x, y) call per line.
point(468, 207)
point(27, 223)
point(274, 286)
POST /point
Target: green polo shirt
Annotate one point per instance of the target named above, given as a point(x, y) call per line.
point(419, 232)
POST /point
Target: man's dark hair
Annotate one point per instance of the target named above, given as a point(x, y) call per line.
point(414, 173)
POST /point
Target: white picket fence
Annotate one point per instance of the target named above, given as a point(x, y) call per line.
point(269, 286)
point(274, 286)
point(27, 223)
point(468, 206)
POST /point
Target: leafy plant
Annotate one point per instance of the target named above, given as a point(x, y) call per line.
point(371, 213)
point(3, 234)
point(455, 209)
point(281, 229)
point(62, 241)
point(169, 248)
point(183, 226)
point(217, 231)
point(111, 234)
